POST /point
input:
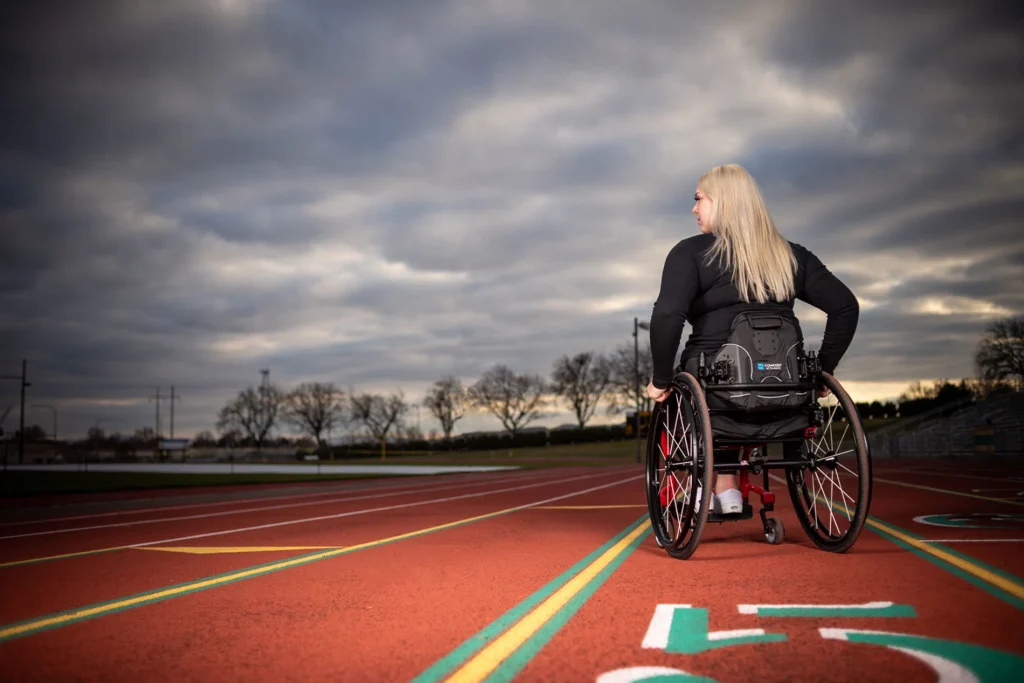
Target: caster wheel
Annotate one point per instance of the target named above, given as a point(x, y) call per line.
point(775, 533)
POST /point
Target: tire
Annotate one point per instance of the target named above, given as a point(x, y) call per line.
point(776, 533)
point(679, 463)
point(834, 522)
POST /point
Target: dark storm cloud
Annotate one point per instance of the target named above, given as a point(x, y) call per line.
point(382, 193)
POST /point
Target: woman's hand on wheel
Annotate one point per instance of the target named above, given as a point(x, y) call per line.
point(657, 394)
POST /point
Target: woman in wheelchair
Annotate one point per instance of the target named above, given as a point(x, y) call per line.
point(736, 283)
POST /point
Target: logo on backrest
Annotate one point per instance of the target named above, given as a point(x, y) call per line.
point(769, 366)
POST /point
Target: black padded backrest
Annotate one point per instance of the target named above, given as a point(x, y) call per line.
point(763, 348)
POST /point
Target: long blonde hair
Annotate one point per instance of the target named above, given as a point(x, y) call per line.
point(747, 243)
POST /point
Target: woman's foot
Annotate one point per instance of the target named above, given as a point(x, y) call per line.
point(730, 501)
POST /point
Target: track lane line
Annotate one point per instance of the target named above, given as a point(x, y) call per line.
point(502, 649)
point(57, 620)
point(1001, 584)
point(972, 540)
point(303, 520)
point(952, 493)
point(240, 511)
point(418, 486)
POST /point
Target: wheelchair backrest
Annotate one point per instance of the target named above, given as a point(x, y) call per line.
point(763, 348)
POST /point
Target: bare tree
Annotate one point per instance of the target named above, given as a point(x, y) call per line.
point(378, 414)
point(918, 390)
point(582, 381)
point(315, 408)
point(514, 399)
point(1000, 354)
point(625, 377)
point(447, 402)
point(254, 412)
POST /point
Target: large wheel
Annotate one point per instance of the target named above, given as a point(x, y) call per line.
point(679, 463)
point(832, 494)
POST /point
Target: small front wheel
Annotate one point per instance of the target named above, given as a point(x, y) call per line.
point(774, 531)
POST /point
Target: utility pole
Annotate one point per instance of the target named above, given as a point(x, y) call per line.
point(21, 428)
point(637, 326)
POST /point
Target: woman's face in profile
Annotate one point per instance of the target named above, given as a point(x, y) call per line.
point(702, 210)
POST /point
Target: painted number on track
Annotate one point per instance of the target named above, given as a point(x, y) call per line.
point(683, 629)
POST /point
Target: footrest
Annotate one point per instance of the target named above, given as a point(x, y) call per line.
point(746, 513)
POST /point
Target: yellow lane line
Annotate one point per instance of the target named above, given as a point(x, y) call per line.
point(487, 660)
point(213, 550)
point(1012, 587)
point(125, 603)
point(1005, 584)
point(586, 507)
point(65, 556)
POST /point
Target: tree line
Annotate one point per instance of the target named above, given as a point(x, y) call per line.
point(580, 382)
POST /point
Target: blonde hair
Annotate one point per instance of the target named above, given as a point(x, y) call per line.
point(747, 243)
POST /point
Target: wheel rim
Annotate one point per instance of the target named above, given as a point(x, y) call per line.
point(676, 470)
point(831, 494)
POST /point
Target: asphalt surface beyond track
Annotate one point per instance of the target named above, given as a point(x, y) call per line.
point(539, 575)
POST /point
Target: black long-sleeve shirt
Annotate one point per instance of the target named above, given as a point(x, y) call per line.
point(705, 296)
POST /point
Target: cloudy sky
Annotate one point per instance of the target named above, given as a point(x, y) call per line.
point(380, 193)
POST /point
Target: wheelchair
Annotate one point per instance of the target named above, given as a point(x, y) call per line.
point(819, 445)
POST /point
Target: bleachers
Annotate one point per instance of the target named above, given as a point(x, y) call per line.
point(995, 425)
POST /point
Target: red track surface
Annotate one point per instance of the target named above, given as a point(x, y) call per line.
point(388, 612)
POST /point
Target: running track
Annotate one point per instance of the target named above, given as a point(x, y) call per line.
point(545, 575)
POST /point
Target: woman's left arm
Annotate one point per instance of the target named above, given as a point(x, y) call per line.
point(679, 281)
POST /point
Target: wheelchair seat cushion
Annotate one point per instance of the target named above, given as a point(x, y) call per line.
point(760, 426)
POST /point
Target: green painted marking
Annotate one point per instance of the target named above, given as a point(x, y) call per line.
point(891, 610)
point(987, 664)
point(640, 675)
point(689, 635)
point(508, 669)
point(466, 650)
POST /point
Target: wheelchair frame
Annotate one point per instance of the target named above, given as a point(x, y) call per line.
point(694, 429)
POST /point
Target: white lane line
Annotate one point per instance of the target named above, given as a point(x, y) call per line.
point(397, 507)
point(971, 540)
point(239, 501)
point(958, 475)
point(259, 508)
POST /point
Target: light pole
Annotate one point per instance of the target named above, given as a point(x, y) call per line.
point(637, 326)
